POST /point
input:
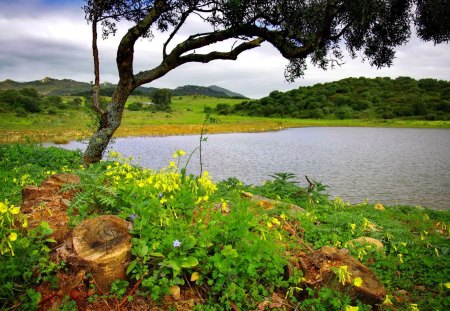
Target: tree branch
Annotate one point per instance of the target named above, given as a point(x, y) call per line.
point(96, 87)
point(231, 55)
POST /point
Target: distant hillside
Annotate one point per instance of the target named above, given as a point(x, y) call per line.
point(212, 91)
point(49, 86)
point(352, 98)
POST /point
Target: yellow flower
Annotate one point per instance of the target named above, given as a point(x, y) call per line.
point(25, 223)
point(357, 281)
point(13, 236)
point(387, 302)
point(14, 210)
point(353, 227)
point(195, 276)
point(269, 224)
point(179, 153)
point(400, 258)
point(447, 285)
point(283, 216)
point(414, 307)
point(172, 164)
point(351, 308)
point(379, 207)
point(275, 221)
point(3, 207)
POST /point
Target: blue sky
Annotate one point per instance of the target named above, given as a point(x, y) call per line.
point(51, 38)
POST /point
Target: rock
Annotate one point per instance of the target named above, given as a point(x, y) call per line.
point(103, 245)
point(48, 203)
point(268, 204)
point(318, 270)
point(367, 240)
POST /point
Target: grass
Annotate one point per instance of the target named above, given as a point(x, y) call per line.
point(186, 118)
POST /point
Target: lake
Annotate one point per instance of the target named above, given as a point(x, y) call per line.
point(387, 165)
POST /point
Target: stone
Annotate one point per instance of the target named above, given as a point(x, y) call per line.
point(367, 240)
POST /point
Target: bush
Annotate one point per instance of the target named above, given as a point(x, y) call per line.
point(135, 106)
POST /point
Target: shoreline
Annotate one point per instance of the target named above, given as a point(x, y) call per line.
point(61, 135)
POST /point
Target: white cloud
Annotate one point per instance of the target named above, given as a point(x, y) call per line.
point(54, 41)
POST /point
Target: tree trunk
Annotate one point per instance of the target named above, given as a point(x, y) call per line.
point(103, 245)
point(109, 122)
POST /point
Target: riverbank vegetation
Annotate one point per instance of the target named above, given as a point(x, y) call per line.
point(356, 98)
point(215, 247)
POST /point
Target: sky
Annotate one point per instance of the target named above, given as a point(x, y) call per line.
point(50, 38)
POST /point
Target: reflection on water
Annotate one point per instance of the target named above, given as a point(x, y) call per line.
point(392, 166)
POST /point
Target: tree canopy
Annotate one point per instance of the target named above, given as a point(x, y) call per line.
point(318, 29)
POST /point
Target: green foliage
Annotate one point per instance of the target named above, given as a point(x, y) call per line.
point(135, 106)
point(162, 98)
point(385, 98)
point(22, 165)
point(23, 257)
point(188, 230)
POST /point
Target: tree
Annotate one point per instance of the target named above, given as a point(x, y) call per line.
point(162, 98)
point(318, 29)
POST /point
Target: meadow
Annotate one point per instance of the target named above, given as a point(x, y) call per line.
point(187, 117)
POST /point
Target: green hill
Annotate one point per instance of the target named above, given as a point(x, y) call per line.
point(54, 87)
point(355, 98)
point(211, 91)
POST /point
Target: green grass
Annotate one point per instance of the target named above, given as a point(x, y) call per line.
point(187, 117)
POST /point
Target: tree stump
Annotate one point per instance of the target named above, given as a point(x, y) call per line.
point(103, 244)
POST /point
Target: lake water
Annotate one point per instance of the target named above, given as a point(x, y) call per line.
point(387, 165)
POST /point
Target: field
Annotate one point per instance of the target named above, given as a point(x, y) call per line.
point(187, 117)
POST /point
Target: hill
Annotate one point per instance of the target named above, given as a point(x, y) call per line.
point(211, 91)
point(54, 87)
point(357, 98)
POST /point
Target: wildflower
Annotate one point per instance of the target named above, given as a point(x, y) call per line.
point(172, 164)
point(133, 216)
point(351, 308)
point(163, 200)
point(414, 307)
point(275, 221)
point(357, 281)
point(387, 302)
point(379, 207)
point(25, 223)
point(3, 207)
point(283, 216)
point(400, 258)
point(195, 276)
point(14, 210)
point(269, 224)
point(447, 285)
point(179, 153)
point(13, 236)
point(176, 243)
point(343, 274)
point(141, 184)
point(353, 227)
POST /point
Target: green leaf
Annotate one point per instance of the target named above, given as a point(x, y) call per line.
point(188, 262)
point(141, 250)
point(131, 266)
point(159, 255)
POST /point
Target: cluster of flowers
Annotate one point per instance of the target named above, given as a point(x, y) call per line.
point(10, 220)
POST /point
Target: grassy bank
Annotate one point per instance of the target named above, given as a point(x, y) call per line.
point(205, 238)
point(186, 118)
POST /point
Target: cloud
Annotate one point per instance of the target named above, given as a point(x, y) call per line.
point(51, 38)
